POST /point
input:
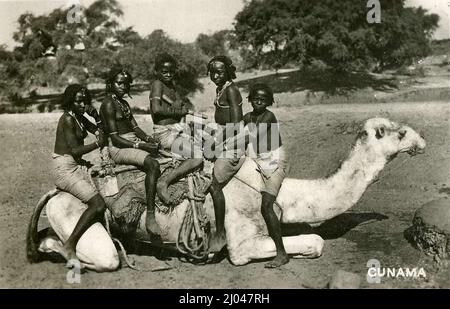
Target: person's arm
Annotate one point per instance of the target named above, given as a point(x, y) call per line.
point(92, 128)
point(234, 101)
point(140, 133)
point(70, 136)
point(162, 105)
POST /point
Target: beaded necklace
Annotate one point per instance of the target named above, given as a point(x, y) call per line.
point(125, 108)
point(219, 95)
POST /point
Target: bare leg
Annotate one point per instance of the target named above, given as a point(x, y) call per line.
point(185, 168)
point(94, 213)
point(218, 240)
point(151, 168)
point(274, 228)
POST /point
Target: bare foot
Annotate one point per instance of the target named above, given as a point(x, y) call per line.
point(279, 260)
point(152, 227)
point(161, 189)
point(217, 242)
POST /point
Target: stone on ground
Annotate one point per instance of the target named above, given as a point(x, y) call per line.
point(431, 229)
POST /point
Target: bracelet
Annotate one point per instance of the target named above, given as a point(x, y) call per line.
point(96, 143)
point(136, 145)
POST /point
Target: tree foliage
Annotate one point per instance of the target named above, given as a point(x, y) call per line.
point(335, 34)
point(214, 44)
point(104, 43)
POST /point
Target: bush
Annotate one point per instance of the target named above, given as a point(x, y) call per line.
point(41, 107)
point(50, 107)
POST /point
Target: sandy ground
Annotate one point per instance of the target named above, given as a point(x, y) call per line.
point(373, 228)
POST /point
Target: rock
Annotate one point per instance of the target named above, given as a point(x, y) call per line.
point(344, 280)
point(431, 229)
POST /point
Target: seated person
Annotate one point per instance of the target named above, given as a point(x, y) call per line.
point(69, 169)
point(167, 108)
point(228, 112)
point(271, 160)
point(128, 143)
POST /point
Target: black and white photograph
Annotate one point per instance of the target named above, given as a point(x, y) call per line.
point(240, 145)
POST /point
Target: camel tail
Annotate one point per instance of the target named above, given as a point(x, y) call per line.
point(33, 240)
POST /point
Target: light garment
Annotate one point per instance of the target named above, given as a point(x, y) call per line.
point(128, 156)
point(173, 138)
point(230, 160)
point(273, 167)
point(72, 177)
point(166, 134)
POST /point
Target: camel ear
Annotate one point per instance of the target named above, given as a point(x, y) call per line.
point(379, 133)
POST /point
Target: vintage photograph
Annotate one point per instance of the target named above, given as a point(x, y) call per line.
point(225, 144)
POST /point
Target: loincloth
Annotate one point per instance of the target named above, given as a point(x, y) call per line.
point(273, 167)
point(72, 177)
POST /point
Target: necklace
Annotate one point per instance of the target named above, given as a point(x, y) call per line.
point(125, 108)
point(219, 95)
point(83, 129)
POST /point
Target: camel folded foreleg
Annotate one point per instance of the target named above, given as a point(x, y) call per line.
point(95, 249)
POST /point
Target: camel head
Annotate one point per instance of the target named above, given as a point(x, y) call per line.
point(389, 138)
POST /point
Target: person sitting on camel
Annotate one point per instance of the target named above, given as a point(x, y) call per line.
point(270, 157)
point(129, 144)
point(168, 107)
point(69, 170)
point(228, 113)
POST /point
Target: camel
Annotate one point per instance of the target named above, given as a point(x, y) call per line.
point(299, 201)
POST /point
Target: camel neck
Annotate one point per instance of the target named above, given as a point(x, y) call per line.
point(350, 182)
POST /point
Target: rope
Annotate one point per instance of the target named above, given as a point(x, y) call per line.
point(122, 248)
point(193, 236)
point(256, 189)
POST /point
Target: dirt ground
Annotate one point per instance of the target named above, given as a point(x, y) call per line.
point(372, 229)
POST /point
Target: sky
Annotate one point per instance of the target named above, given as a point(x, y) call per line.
point(181, 19)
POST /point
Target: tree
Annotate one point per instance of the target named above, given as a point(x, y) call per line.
point(213, 45)
point(335, 33)
point(140, 59)
point(105, 42)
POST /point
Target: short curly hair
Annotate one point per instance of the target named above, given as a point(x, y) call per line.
point(69, 94)
point(164, 58)
point(112, 75)
point(229, 67)
point(260, 86)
